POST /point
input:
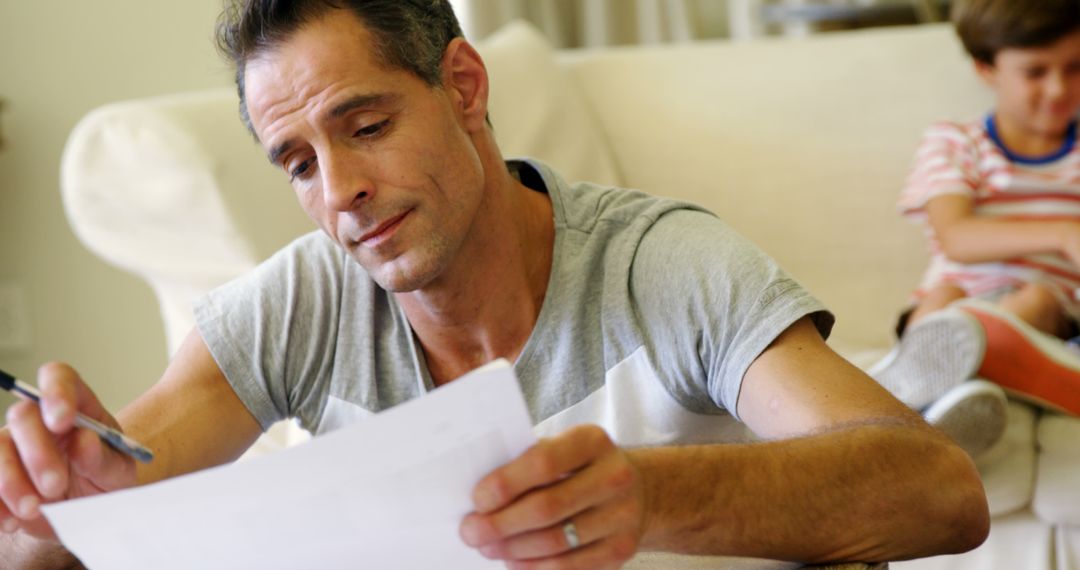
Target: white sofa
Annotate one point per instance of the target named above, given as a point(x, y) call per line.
point(801, 144)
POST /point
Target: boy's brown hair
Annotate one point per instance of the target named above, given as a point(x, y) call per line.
point(988, 26)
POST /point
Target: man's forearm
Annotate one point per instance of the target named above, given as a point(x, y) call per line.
point(870, 493)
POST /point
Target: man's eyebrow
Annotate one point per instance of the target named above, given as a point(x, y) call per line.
point(343, 108)
point(371, 100)
point(276, 152)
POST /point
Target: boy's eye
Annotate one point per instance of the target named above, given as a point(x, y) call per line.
point(1034, 72)
point(299, 170)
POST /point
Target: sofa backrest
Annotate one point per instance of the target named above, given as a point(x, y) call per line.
point(801, 144)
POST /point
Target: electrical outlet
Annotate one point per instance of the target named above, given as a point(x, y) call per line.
point(14, 318)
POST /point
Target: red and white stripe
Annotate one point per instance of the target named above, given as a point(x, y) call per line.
point(962, 159)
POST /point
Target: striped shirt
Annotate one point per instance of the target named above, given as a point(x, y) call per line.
point(969, 159)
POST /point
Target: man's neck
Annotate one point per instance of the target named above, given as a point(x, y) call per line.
point(486, 304)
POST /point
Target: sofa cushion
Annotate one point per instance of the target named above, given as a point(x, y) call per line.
point(1067, 546)
point(538, 111)
point(1057, 489)
point(1019, 540)
point(1008, 468)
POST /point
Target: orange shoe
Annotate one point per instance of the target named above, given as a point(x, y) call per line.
point(1027, 362)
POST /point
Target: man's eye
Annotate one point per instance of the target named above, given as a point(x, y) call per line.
point(371, 130)
point(301, 169)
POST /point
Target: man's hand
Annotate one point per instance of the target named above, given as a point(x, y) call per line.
point(22, 551)
point(524, 508)
point(44, 458)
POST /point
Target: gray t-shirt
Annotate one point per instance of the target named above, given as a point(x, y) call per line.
point(654, 310)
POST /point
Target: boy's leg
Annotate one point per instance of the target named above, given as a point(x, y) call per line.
point(934, 300)
point(1026, 361)
point(1037, 305)
point(935, 355)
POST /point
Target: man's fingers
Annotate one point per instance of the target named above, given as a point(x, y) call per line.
point(611, 552)
point(38, 449)
point(588, 527)
point(19, 502)
point(17, 492)
point(606, 479)
point(102, 467)
point(568, 502)
point(545, 463)
point(8, 523)
point(63, 393)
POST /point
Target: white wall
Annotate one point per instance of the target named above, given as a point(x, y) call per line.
point(58, 60)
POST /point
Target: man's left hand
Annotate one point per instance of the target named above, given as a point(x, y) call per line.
point(576, 486)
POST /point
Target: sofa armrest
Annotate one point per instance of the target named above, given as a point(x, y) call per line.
point(175, 191)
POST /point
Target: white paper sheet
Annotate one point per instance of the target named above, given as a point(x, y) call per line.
point(387, 493)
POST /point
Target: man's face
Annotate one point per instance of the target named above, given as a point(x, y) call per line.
point(378, 158)
point(1038, 89)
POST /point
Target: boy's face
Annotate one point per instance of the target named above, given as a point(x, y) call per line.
point(1038, 88)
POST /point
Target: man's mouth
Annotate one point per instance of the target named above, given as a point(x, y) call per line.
point(384, 230)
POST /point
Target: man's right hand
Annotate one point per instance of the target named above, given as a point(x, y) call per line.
point(44, 458)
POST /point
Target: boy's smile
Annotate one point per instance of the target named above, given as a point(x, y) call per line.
point(1038, 94)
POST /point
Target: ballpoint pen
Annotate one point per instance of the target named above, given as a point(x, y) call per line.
point(119, 441)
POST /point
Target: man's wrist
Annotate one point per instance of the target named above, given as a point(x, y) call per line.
point(639, 460)
point(26, 552)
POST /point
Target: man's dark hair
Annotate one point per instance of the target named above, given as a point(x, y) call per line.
point(407, 34)
point(989, 26)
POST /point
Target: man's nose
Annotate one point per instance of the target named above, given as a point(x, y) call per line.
point(345, 183)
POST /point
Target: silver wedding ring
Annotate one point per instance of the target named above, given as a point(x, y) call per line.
point(569, 530)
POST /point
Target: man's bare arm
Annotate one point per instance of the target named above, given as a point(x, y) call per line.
point(861, 477)
point(192, 417)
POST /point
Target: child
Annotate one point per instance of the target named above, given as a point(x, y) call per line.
point(1000, 198)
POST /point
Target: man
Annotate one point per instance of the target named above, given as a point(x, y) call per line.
point(437, 256)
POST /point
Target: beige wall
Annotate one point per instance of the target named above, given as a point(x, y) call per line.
point(58, 60)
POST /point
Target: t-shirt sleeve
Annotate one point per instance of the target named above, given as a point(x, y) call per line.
point(945, 163)
point(272, 331)
point(710, 302)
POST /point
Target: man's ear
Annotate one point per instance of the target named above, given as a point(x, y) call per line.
point(465, 80)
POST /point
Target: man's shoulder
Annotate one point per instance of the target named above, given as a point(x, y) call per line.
point(312, 258)
point(314, 248)
point(587, 205)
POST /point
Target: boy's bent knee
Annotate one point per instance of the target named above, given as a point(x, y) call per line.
point(1037, 304)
